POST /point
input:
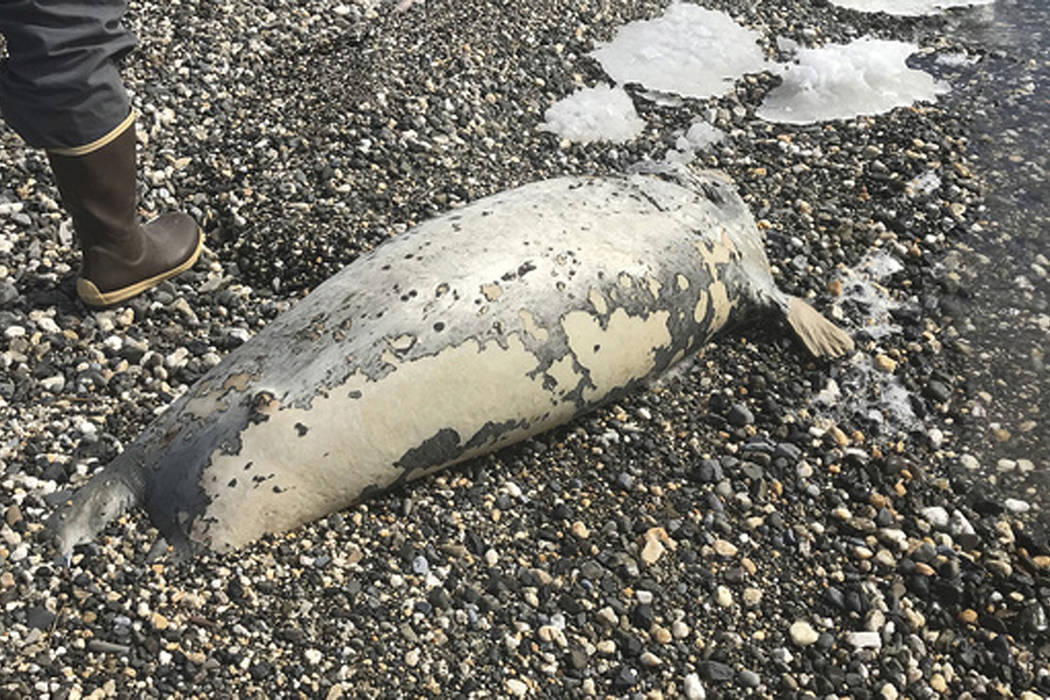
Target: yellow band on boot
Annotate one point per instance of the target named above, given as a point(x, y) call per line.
point(99, 142)
point(91, 295)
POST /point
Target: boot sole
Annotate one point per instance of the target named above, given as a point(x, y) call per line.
point(93, 297)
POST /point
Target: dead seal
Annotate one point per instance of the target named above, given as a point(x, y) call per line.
point(472, 331)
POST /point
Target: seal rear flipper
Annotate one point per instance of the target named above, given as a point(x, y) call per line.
point(820, 336)
point(104, 498)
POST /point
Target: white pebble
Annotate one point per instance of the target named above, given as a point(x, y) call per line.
point(1016, 505)
point(936, 516)
point(803, 634)
point(864, 640)
point(693, 688)
point(53, 384)
point(47, 324)
point(516, 688)
point(313, 656)
point(177, 358)
point(650, 659)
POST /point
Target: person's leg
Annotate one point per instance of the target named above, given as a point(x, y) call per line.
point(60, 89)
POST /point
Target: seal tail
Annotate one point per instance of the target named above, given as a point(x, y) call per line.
point(105, 497)
point(820, 336)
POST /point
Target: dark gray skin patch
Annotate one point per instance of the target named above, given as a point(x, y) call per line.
point(491, 433)
point(301, 429)
point(443, 446)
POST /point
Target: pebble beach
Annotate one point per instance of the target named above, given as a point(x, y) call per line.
point(758, 524)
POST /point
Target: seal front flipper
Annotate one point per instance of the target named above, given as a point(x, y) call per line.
point(820, 336)
point(105, 497)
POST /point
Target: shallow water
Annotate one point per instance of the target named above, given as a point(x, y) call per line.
point(1006, 280)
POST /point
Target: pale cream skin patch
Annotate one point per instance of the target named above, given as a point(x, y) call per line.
point(532, 328)
point(624, 350)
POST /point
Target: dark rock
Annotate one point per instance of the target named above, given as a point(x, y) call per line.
point(739, 415)
point(716, 671)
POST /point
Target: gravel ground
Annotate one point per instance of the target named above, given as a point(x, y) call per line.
point(716, 535)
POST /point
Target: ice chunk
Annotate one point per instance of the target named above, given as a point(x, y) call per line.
point(841, 81)
point(600, 113)
point(699, 136)
point(907, 8)
point(687, 51)
point(923, 184)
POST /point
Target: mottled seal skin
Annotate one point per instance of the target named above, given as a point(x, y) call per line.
point(472, 331)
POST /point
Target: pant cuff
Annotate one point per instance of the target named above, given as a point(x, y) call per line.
point(98, 143)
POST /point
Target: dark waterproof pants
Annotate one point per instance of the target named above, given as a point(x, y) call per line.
point(60, 86)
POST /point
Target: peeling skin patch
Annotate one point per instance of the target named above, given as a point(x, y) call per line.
point(721, 304)
point(700, 311)
point(533, 329)
point(654, 287)
point(492, 291)
point(402, 343)
point(623, 351)
point(598, 301)
point(565, 376)
point(237, 381)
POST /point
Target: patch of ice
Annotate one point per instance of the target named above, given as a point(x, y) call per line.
point(841, 81)
point(923, 184)
point(699, 136)
point(907, 8)
point(600, 113)
point(687, 51)
point(955, 60)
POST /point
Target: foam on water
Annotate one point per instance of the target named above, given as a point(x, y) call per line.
point(600, 113)
point(863, 391)
point(861, 290)
point(688, 51)
point(907, 8)
point(842, 81)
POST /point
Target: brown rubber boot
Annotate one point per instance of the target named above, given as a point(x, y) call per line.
point(121, 257)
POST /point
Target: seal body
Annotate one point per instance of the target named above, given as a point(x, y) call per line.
point(474, 330)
